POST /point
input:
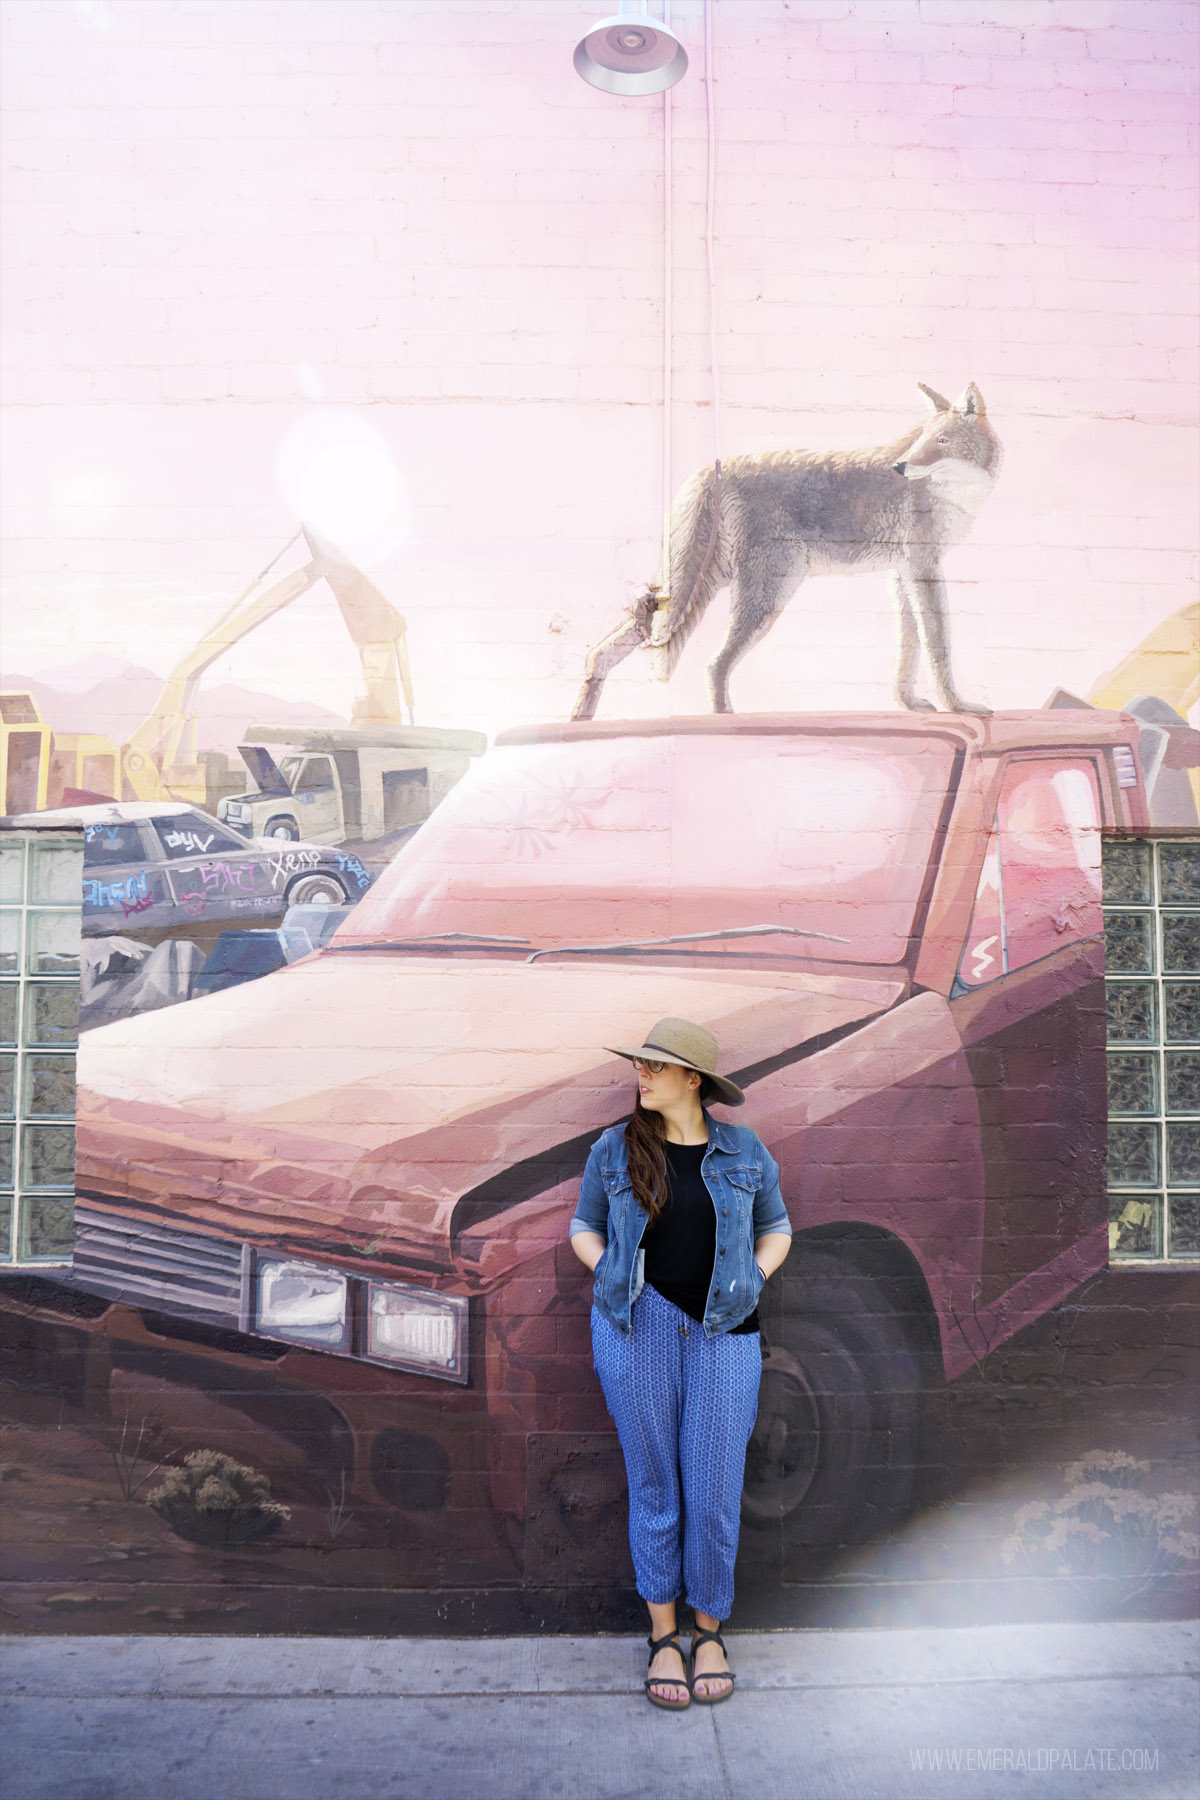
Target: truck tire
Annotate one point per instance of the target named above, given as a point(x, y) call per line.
point(319, 889)
point(834, 1452)
point(282, 827)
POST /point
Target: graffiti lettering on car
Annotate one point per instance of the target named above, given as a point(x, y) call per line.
point(188, 840)
point(372, 1248)
point(217, 878)
point(221, 876)
point(292, 862)
point(983, 957)
point(110, 833)
point(137, 906)
point(353, 867)
point(106, 896)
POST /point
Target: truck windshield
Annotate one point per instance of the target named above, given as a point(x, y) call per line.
point(607, 840)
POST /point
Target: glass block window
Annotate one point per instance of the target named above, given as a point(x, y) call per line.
point(40, 912)
point(1152, 979)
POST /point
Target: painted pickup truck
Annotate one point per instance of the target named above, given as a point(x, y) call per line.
point(362, 1168)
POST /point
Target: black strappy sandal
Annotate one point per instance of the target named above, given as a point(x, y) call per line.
point(657, 1644)
point(710, 1637)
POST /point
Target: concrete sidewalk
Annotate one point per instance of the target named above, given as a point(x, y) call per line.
point(969, 1714)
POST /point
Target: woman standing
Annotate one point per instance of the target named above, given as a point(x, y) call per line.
point(681, 1220)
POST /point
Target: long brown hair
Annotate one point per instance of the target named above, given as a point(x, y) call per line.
point(645, 1136)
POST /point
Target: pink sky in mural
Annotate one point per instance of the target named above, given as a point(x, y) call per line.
point(399, 265)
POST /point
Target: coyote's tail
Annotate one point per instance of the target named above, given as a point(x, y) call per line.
point(693, 568)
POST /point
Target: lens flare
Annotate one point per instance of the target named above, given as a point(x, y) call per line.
point(338, 474)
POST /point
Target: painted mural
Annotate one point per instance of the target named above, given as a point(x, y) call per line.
point(355, 926)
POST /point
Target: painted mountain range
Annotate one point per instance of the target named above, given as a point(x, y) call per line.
point(71, 698)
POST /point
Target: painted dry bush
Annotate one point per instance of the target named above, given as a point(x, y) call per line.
point(213, 1500)
point(1104, 1527)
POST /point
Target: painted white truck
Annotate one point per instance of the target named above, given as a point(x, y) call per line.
point(338, 786)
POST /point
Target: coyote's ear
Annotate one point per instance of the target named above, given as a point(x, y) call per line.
point(970, 400)
point(938, 401)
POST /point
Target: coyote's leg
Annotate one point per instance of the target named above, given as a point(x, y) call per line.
point(910, 650)
point(764, 580)
point(926, 593)
point(603, 658)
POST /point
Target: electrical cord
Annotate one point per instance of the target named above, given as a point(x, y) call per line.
point(668, 306)
point(710, 186)
point(710, 189)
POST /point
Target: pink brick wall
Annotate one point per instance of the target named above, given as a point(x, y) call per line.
point(418, 212)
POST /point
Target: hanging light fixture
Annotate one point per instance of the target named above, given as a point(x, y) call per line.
point(631, 53)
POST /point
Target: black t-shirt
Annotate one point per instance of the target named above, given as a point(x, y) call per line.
point(681, 1245)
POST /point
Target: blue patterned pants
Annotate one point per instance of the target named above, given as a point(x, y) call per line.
point(684, 1406)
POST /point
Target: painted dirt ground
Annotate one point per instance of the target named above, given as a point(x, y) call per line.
point(80, 1557)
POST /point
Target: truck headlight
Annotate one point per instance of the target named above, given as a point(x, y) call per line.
point(299, 1301)
point(417, 1329)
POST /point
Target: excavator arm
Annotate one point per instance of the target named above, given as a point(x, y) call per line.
point(1159, 681)
point(159, 762)
point(377, 631)
point(1165, 663)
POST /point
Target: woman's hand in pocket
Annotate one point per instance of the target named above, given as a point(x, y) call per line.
point(589, 1247)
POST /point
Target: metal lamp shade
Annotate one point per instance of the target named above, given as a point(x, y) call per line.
point(631, 53)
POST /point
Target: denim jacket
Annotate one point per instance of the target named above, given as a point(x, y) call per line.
point(743, 1179)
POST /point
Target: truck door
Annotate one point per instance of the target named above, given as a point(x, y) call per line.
point(318, 801)
point(1029, 1003)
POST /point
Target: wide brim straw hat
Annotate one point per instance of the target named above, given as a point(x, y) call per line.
point(679, 1041)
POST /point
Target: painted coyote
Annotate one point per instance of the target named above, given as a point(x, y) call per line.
point(760, 524)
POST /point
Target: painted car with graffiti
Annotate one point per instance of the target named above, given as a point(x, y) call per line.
point(149, 867)
point(364, 1164)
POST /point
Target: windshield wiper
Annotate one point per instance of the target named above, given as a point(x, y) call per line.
point(447, 939)
point(688, 937)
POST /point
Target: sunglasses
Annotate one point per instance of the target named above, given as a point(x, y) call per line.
point(645, 1065)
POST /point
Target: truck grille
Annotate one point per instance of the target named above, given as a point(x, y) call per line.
point(173, 1271)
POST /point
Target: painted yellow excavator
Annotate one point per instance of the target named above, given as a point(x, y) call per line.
point(1166, 667)
point(160, 760)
